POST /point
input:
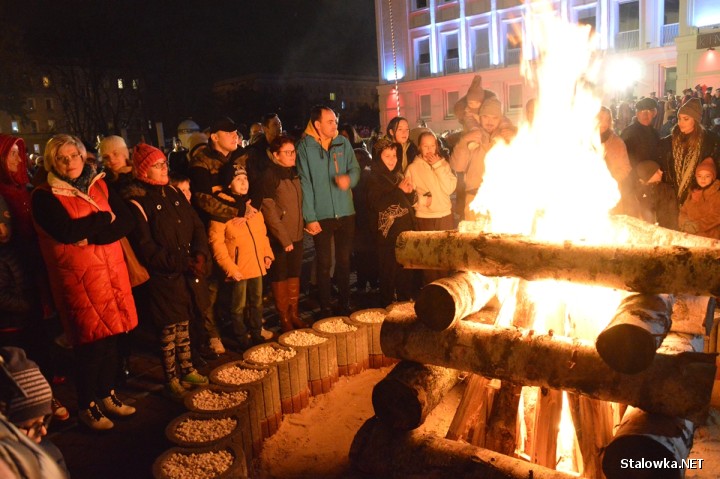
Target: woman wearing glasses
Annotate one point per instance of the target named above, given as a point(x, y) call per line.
point(282, 209)
point(170, 240)
point(79, 222)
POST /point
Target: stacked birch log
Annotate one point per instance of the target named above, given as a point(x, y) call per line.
point(647, 358)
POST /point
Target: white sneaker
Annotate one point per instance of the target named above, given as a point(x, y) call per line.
point(216, 346)
point(93, 418)
point(115, 407)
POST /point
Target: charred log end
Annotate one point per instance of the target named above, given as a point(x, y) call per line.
point(634, 456)
point(396, 405)
point(365, 446)
point(627, 348)
point(435, 307)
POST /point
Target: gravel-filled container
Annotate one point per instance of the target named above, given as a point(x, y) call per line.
point(222, 401)
point(402, 307)
point(372, 319)
point(195, 429)
point(264, 380)
point(291, 370)
point(351, 346)
point(220, 461)
point(321, 355)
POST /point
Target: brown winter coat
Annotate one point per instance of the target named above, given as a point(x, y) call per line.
point(700, 214)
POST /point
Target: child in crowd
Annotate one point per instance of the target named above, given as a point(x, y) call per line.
point(242, 250)
point(390, 199)
point(203, 327)
point(26, 400)
point(700, 214)
point(434, 182)
point(182, 183)
point(658, 204)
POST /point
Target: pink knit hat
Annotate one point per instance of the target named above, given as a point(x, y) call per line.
point(143, 157)
point(708, 164)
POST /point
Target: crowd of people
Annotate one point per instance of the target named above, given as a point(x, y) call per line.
point(188, 241)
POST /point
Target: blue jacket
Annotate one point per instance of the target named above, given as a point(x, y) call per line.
point(317, 167)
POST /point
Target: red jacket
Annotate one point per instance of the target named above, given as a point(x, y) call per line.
point(90, 283)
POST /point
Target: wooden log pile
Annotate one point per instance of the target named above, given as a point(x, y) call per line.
point(639, 268)
point(640, 359)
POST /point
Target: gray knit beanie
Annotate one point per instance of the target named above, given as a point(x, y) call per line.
point(36, 398)
point(693, 109)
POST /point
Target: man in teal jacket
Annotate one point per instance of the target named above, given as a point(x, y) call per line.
point(328, 170)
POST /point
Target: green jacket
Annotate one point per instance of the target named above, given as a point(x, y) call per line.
point(317, 167)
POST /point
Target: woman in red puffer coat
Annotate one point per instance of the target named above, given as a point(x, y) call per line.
point(79, 223)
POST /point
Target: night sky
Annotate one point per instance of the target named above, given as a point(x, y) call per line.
point(220, 38)
point(179, 48)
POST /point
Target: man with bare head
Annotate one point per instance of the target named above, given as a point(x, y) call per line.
point(640, 136)
point(328, 170)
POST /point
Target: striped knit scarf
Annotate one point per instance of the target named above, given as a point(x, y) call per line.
point(686, 156)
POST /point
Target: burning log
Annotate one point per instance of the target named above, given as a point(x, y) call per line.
point(450, 299)
point(384, 452)
point(405, 397)
point(643, 437)
point(501, 427)
point(641, 268)
point(593, 421)
point(471, 416)
point(547, 424)
point(637, 330)
point(639, 231)
point(674, 385)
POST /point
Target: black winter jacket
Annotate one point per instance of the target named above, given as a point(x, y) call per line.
point(167, 237)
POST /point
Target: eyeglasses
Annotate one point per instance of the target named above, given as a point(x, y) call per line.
point(161, 165)
point(67, 159)
point(36, 427)
point(288, 152)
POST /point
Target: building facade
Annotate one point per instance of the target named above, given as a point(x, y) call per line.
point(435, 47)
point(292, 95)
point(79, 101)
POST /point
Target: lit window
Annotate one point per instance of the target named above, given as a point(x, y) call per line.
point(515, 97)
point(629, 16)
point(120, 84)
point(15, 127)
point(36, 148)
point(46, 81)
point(332, 96)
point(452, 98)
point(51, 125)
point(342, 105)
point(135, 84)
point(425, 108)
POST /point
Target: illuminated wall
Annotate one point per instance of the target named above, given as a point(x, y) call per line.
point(441, 44)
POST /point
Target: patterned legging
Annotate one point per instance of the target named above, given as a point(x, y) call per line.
point(175, 342)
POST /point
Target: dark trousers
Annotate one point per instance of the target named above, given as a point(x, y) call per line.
point(95, 368)
point(342, 230)
point(434, 224)
point(393, 277)
point(287, 264)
